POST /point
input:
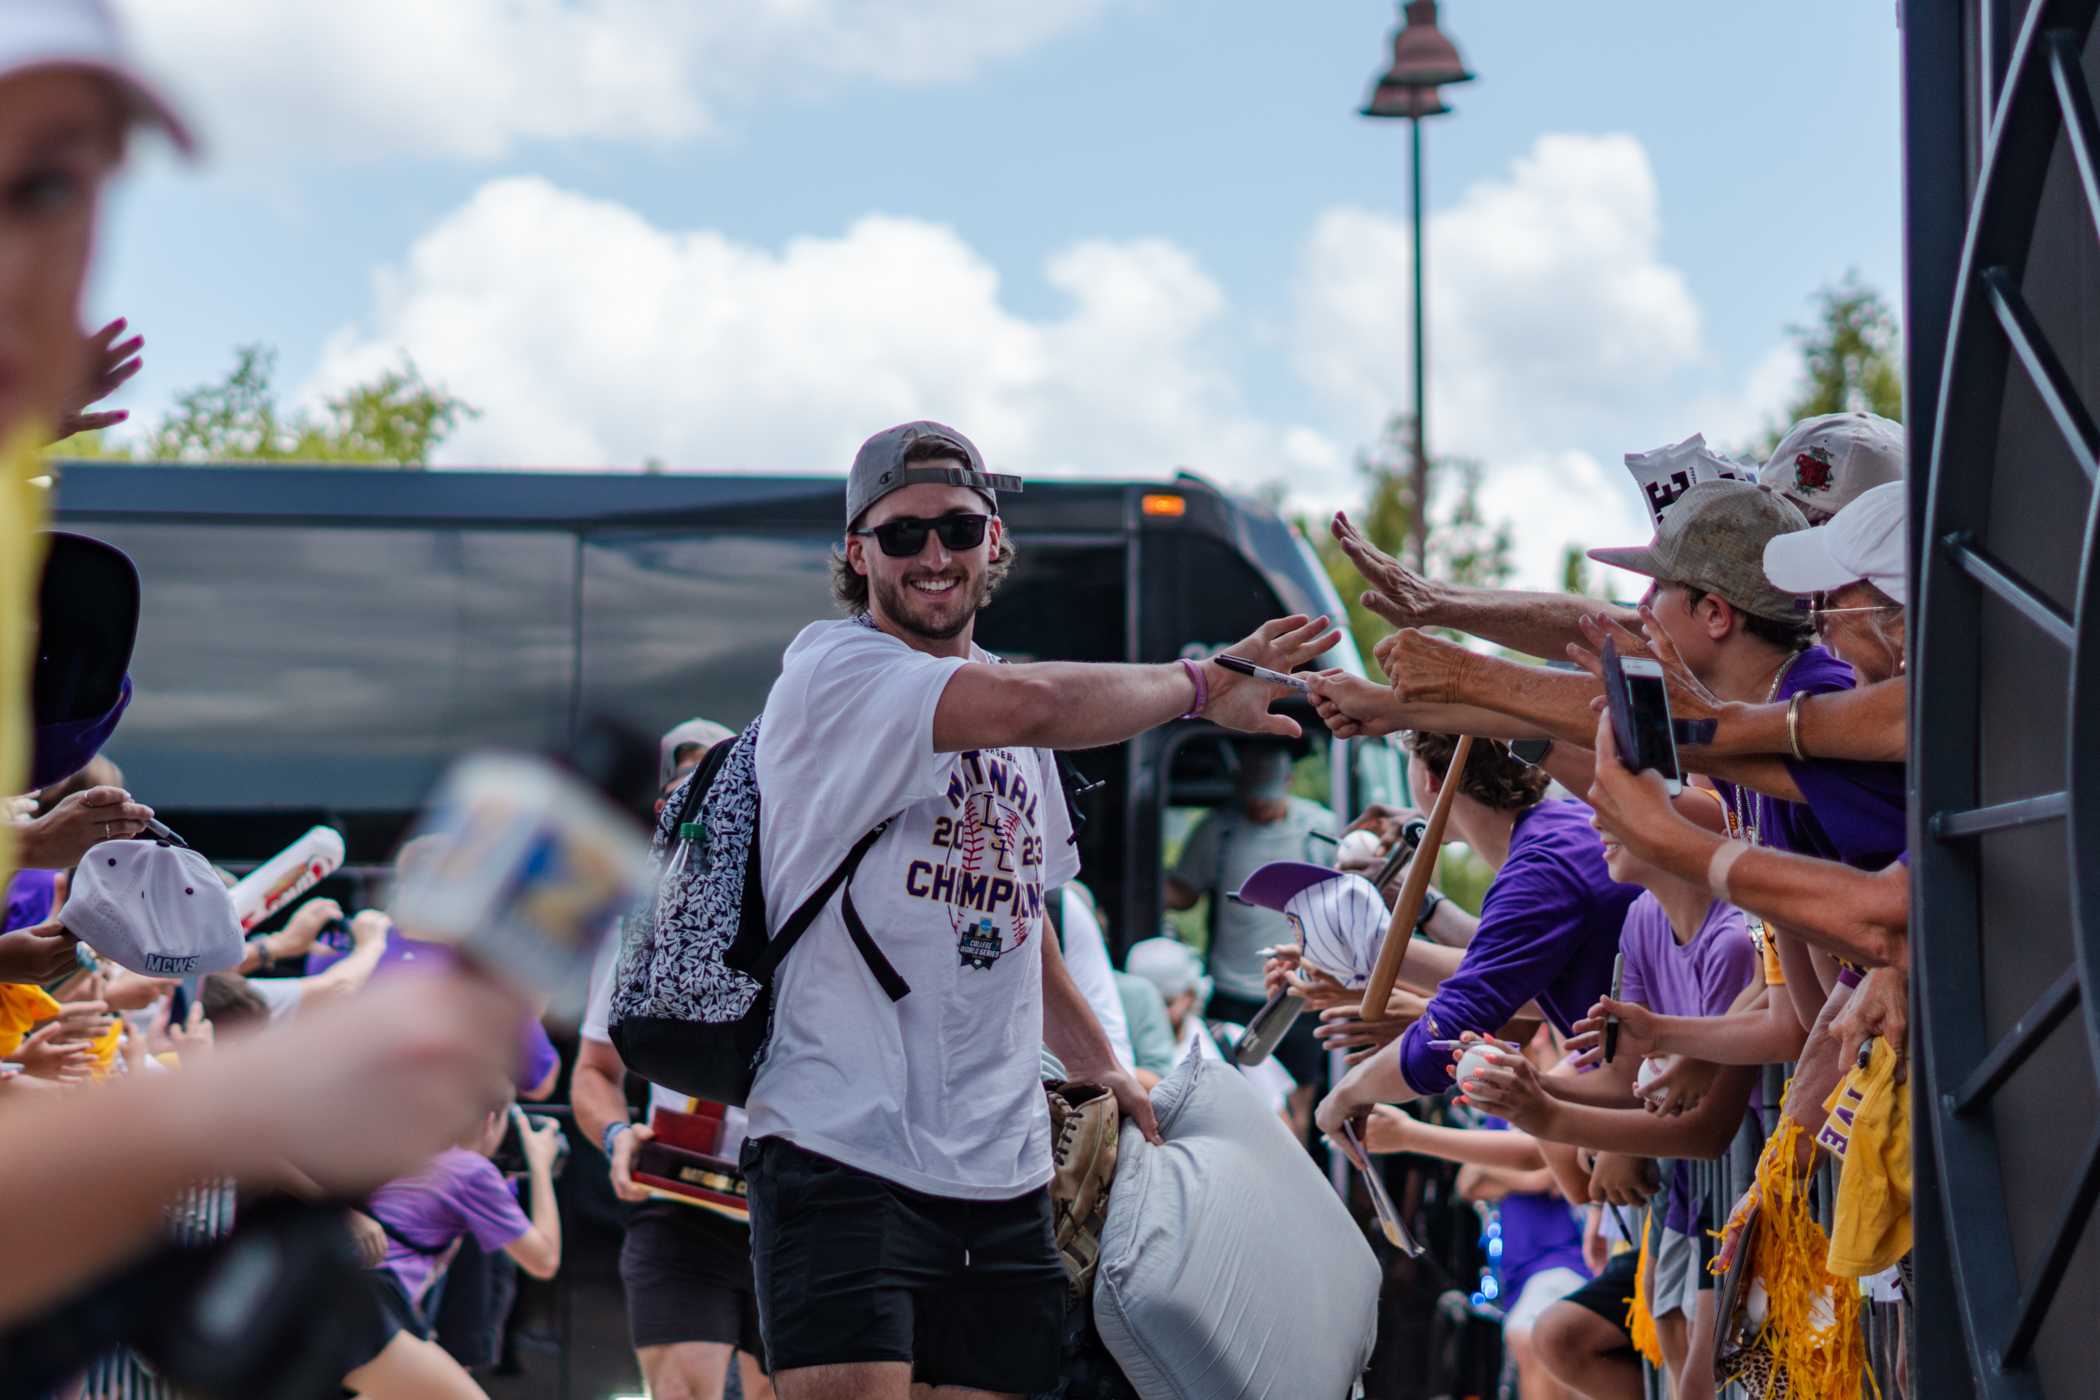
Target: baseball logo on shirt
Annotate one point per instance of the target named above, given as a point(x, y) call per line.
point(985, 867)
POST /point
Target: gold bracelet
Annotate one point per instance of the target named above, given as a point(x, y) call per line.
point(1793, 725)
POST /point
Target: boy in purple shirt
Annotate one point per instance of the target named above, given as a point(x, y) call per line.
point(1548, 930)
point(458, 1196)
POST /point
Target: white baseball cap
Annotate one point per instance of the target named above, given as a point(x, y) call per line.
point(83, 34)
point(1866, 540)
point(1170, 965)
point(1341, 922)
point(1824, 464)
point(156, 909)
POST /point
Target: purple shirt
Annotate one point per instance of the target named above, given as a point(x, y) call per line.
point(459, 1194)
point(1539, 1232)
point(537, 1056)
point(1854, 812)
point(1699, 978)
point(29, 897)
point(1549, 929)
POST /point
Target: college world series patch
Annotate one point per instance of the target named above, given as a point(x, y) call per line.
point(978, 945)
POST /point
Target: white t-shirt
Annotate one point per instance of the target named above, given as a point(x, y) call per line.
point(939, 1092)
point(1086, 958)
point(597, 1016)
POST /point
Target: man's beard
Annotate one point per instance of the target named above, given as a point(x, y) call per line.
point(919, 615)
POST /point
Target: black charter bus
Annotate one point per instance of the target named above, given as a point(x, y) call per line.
point(317, 642)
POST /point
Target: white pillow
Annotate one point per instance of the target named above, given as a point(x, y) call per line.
point(1230, 1270)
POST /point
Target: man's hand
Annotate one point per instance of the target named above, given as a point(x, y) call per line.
point(54, 1051)
point(1352, 707)
point(1680, 1087)
point(59, 838)
point(1428, 670)
point(1880, 1006)
point(108, 364)
point(299, 933)
point(1637, 1032)
point(1397, 594)
point(1391, 1129)
point(1620, 1180)
point(369, 927)
point(1336, 1109)
point(1131, 1098)
point(367, 1236)
point(40, 954)
point(624, 1147)
point(1242, 702)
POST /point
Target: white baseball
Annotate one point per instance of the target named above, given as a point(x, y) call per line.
point(1647, 1074)
point(1475, 1059)
point(1357, 848)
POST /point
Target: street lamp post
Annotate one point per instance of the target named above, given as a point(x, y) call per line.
point(1424, 60)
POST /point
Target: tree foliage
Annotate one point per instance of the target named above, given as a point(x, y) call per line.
point(1464, 545)
point(1853, 353)
point(397, 419)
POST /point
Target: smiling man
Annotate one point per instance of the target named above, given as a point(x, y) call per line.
point(899, 1149)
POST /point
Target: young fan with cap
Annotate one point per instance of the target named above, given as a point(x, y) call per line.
point(904, 1141)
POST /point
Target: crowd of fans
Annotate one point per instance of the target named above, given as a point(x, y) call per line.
point(1668, 1049)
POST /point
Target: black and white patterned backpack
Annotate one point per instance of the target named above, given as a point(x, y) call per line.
point(692, 1001)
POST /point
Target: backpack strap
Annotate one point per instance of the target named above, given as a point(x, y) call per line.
point(781, 944)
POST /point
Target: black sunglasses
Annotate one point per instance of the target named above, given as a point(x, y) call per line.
point(905, 536)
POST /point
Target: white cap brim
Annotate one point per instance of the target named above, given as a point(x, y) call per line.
point(1801, 562)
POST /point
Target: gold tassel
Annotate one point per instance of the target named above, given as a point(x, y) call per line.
point(1640, 1317)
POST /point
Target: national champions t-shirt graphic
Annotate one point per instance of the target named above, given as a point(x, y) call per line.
point(984, 864)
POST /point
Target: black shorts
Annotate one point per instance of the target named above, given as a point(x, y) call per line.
point(372, 1319)
point(1299, 1051)
point(687, 1274)
point(1610, 1293)
point(853, 1268)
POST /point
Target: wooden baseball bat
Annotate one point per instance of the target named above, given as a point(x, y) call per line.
point(1393, 952)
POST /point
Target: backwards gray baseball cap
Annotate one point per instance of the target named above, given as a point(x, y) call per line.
point(1713, 538)
point(879, 468)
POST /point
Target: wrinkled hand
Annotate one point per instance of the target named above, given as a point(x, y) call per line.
point(1352, 707)
point(1880, 1006)
point(1397, 593)
point(1633, 807)
point(1680, 1087)
point(59, 838)
point(1637, 1032)
point(56, 1052)
point(1689, 696)
point(1509, 1088)
point(300, 932)
point(39, 955)
point(1241, 702)
point(367, 1237)
point(1391, 1129)
point(108, 363)
point(624, 1147)
point(1621, 1180)
point(1428, 670)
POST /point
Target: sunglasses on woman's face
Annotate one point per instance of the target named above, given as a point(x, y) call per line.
point(905, 536)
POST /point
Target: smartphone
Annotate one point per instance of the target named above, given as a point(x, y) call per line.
point(1639, 700)
point(1611, 1023)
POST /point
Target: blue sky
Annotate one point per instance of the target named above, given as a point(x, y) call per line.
point(1107, 236)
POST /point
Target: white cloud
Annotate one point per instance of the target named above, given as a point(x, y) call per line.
point(591, 337)
point(472, 79)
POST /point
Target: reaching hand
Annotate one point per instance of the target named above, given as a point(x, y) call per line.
point(194, 1036)
point(109, 364)
point(59, 838)
point(1509, 1088)
point(1637, 1033)
point(1242, 702)
point(1397, 594)
point(541, 1142)
point(1634, 807)
point(624, 1147)
point(40, 954)
point(1345, 1027)
point(54, 1051)
point(1680, 1087)
point(134, 991)
point(1689, 696)
point(369, 927)
point(1352, 707)
point(1428, 670)
point(1391, 1129)
point(1621, 1180)
point(1880, 1006)
point(299, 933)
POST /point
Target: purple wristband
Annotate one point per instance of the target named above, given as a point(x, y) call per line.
point(1850, 977)
point(1195, 671)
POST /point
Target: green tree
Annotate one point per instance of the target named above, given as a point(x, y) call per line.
point(1464, 545)
point(1575, 571)
point(397, 419)
point(1853, 353)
